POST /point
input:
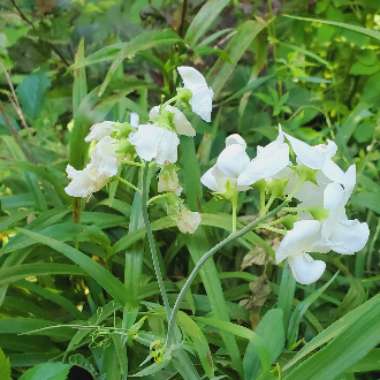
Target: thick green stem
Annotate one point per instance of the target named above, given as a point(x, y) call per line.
point(231, 237)
point(234, 201)
point(152, 245)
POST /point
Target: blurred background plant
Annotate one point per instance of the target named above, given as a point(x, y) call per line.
point(78, 296)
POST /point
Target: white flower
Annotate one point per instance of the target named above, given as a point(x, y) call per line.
point(168, 180)
point(340, 234)
point(181, 124)
point(188, 221)
point(103, 165)
point(201, 99)
point(84, 182)
point(231, 162)
point(104, 157)
point(155, 143)
point(295, 247)
point(100, 130)
point(269, 161)
point(314, 157)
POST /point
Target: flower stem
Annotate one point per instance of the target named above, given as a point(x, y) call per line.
point(128, 184)
point(205, 257)
point(234, 201)
point(158, 197)
point(152, 245)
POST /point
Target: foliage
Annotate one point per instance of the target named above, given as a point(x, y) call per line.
point(77, 283)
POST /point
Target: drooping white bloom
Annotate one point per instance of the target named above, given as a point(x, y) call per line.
point(155, 143)
point(100, 130)
point(103, 165)
point(295, 247)
point(188, 221)
point(104, 157)
point(181, 124)
point(231, 162)
point(340, 234)
point(269, 161)
point(201, 99)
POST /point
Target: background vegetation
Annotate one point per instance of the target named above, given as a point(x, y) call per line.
point(65, 64)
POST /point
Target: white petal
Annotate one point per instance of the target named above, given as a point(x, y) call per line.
point(134, 119)
point(305, 269)
point(214, 180)
point(104, 157)
point(100, 130)
point(310, 195)
point(334, 197)
point(84, 182)
point(236, 139)
point(313, 157)
point(349, 236)
point(232, 160)
point(304, 235)
point(201, 100)
point(269, 161)
point(153, 142)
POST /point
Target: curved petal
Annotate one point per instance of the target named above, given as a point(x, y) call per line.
point(145, 140)
point(134, 119)
point(304, 235)
point(236, 139)
point(305, 269)
point(334, 197)
point(349, 236)
point(100, 130)
point(232, 160)
point(188, 221)
point(269, 161)
point(167, 147)
point(201, 100)
point(214, 180)
point(104, 157)
point(82, 183)
point(313, 157)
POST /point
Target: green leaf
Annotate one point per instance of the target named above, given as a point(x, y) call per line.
point(47, 371)
point(286, 293)
point(271, 331)
point(354, 28)
point(339, 327)
point(5, 367)
point(241, 41)
point(203, 20)
point(31, 92)
point(344, 351)
point(302, 308)
point(104, 278)
point(199, 341)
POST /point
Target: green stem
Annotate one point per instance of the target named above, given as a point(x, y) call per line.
point(234, 200)
point(152, 245)
point(158, 197)
point(231, 237)
point(128, 184)
point(262, 200)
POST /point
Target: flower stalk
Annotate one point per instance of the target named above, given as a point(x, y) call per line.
point(152, 244)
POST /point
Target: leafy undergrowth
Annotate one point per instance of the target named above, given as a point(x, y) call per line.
point(78, 293)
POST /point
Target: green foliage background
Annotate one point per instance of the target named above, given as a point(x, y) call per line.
point(77, 288)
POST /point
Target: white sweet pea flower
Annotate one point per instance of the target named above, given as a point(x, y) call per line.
point(295, 247)
point(103, 165)
point(201, 94)
point(269, 161)
point(100, 130)
point(104, 157)
point(188, 221)
point(314, 157)
point(231, 162)
point(181, 124)
point(340, 234)
point(155, 143)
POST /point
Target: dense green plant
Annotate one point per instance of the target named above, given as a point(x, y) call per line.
point(78, 286)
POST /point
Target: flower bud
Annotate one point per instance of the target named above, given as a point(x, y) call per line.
point(188, 221)
point(168, 180)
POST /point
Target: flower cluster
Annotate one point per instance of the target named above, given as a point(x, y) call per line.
point(155, 141)
point(320, 186)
